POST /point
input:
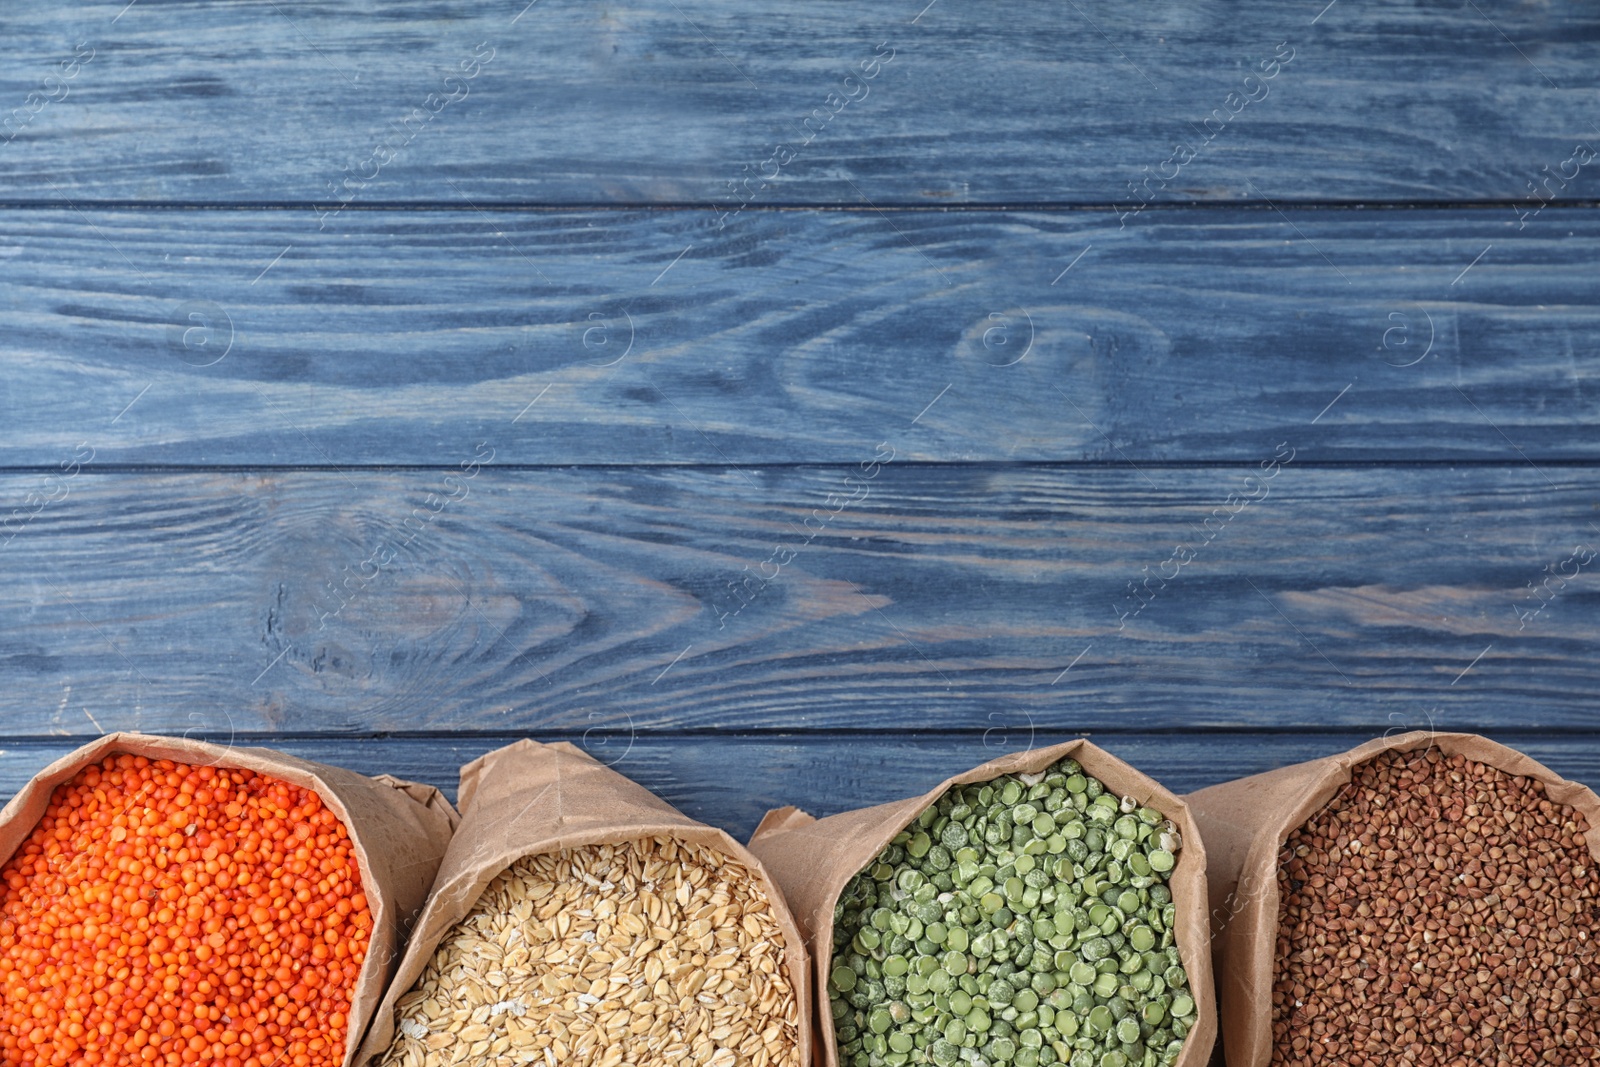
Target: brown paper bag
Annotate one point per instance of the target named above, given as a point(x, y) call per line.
point(1246, 822)
point(814, 859)
point(398, 831)
point(528, 798)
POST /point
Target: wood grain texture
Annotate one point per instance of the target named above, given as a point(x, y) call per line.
point(731, 781)
point(844, 440)
point(684, 101)
point(583, 337)
point(938, 598)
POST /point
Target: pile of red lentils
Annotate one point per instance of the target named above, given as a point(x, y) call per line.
point(162, 913)
point(1438, 911)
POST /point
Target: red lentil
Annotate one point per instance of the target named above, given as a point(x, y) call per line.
point(162, 913)
point(1438, 911)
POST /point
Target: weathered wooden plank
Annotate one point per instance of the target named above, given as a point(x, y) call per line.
point(794, 598)
point(628, 337)
point(731, 781)
point(727, 102)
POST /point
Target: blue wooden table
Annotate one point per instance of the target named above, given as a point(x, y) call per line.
point(796, 403)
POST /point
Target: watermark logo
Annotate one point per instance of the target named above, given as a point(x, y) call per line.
point(52, 89)
point(748, 585)
point(201, 333)
point(601, 741)
point(1253, 488)
point(1401, 347)
point(1554, 183)
point(606, 336)
point(1254, 90)
point(1554, 581)
point(755, 179)
point(1001, 734)
point(1004, 338)
point(356, 177)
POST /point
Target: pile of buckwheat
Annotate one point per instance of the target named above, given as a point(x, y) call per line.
point(1438, 911)
point(645, 953)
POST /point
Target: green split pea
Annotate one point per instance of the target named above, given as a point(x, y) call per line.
point(1025, 921)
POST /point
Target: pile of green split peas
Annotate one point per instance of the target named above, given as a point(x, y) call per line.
point(1023, 921)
